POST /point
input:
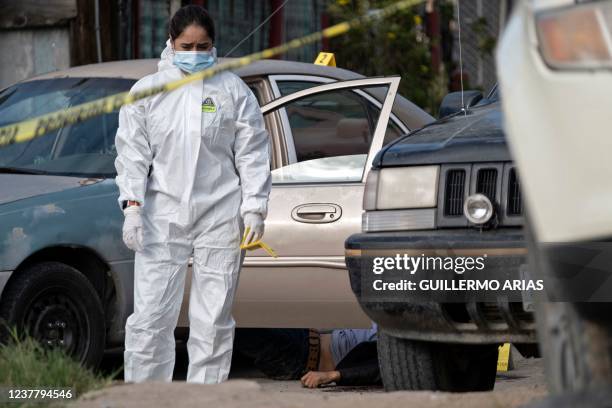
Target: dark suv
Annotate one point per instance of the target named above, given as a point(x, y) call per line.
point(447, 190)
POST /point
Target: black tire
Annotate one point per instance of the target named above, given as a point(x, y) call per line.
point(419, 365)
point(577, 351)
point(57, 305)
point(528, 350)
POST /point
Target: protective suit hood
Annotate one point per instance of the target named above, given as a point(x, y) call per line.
point(166, 57)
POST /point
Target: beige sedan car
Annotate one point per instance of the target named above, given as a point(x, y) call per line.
point(325, 124)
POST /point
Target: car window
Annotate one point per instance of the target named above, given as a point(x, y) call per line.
point(332, 133)
point(86, 148)
point(330, 124)
point(288, 87)
point(393, 131)
point(328, 169)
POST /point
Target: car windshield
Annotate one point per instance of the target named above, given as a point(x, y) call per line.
point(82, 149)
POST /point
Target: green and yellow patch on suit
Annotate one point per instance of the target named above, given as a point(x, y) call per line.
point(208, 106)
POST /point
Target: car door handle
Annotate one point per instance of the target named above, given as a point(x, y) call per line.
point(316, 213)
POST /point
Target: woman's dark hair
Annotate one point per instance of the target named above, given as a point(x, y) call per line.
point(188, 15)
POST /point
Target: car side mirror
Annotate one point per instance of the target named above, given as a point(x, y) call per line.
point(452, 102)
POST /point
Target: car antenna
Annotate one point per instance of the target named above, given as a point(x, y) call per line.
point(460, 58)
point(255, 29)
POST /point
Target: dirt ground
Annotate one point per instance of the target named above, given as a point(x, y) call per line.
point(248, 387)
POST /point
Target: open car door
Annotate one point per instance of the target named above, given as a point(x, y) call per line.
point(330, 135)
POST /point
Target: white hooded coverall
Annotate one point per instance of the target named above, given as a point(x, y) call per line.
point(208, 154)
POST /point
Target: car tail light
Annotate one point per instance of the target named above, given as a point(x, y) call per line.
point(576, 37)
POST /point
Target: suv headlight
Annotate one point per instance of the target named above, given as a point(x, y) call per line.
point(400, 199)
point(401, 188)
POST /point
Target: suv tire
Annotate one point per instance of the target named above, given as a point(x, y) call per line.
point(577, 350)
point(418, 365)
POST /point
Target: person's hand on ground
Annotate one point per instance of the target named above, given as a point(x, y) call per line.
point(253, 228)
point(132, 228)
point(313, 379)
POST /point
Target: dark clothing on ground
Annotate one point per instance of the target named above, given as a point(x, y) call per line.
point(282, 354)
point(360, 366)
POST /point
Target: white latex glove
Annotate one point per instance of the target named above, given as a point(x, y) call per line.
point(253, 228)
point(132, 228)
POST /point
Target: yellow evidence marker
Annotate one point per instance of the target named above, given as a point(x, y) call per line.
point(503, 358)
point(326, 58)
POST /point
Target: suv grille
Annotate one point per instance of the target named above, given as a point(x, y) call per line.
point(453, 193)
point(499, 181)
point(515, 201)
point(486, 183)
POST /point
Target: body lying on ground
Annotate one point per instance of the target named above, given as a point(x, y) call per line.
point(344, 356)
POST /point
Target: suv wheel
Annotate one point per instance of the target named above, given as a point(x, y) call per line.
point(419, 365)
point(577, 350)
point(58, 306)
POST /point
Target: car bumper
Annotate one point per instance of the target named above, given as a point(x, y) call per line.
point(465, 322)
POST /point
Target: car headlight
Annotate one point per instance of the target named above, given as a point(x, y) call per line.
point(576, 37)
point(478, 209)
point(401, 187)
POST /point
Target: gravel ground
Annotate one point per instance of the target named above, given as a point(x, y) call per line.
point(248, 387)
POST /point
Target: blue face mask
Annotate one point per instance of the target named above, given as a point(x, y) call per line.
point(194, 61)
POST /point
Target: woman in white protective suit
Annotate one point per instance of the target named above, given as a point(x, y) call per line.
point(193, 172)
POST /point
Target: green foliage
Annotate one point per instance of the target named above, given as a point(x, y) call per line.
point(396, 45)
point(25, 363)
point(486, 42)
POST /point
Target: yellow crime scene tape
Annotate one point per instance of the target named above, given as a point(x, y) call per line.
point(32, 128)
point(38, 126)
